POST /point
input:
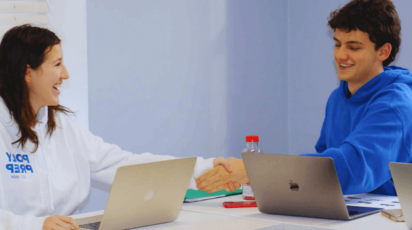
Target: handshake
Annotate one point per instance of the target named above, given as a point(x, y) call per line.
point(227, 174)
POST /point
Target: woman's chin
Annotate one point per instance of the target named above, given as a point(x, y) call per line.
point(54, 103)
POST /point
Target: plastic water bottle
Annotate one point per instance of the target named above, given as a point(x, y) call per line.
point(252, 147)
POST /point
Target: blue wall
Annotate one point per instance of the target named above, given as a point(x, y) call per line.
point(188, 77)
point(257, 82)
point(312, 73)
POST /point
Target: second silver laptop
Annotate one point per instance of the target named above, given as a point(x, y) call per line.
point(299, 186)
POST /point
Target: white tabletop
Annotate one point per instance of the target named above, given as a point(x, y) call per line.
point(210, 214)
point(199, 220)
point(375, 221)
point(214, 206)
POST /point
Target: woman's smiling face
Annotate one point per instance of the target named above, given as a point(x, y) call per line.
point(44, 81)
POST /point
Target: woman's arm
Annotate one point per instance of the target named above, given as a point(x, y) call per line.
point(105, 158)
point(11, 221)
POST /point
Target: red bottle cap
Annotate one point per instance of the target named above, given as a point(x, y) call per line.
point(252, 138)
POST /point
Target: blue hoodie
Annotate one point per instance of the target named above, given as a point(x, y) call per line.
point(366, 131)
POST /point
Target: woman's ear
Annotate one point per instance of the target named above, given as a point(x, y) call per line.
point(29, 75)
point(385, 51)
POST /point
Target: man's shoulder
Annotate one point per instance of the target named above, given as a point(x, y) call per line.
point(397, 96)
point(335, 95)
point(400, 92)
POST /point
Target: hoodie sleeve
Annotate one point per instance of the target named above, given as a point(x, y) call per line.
point(10, 221)
point(105, 158)
point(383, 135)
point(321, 144)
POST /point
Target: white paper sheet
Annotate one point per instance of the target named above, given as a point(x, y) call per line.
point(373, 201)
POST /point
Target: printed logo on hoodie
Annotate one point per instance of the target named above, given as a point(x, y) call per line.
point(19, 164)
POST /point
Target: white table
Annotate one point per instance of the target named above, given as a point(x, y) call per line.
point(210, 214)
point(214, 206)
point(198, 220)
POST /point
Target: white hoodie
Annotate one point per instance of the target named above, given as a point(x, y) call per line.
point(56, 178)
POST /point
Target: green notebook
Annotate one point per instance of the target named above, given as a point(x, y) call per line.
point(198, 195)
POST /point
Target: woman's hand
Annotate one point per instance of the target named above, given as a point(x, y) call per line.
point(57, 222)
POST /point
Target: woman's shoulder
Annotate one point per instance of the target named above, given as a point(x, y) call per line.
point(67, 120)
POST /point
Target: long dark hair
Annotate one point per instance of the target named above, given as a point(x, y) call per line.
point(21, 46)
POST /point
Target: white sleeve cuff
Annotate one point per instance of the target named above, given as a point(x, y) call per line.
point(202, 165)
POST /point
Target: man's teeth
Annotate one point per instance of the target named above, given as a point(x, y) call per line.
point(344, 65)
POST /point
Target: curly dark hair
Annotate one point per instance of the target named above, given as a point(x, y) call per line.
point(378, 18)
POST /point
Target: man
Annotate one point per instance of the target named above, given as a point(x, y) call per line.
point(368, 118)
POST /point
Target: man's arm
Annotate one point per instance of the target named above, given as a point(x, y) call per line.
point(382, 136)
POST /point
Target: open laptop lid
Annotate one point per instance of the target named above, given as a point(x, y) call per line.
point(402, 178)
point(295, 185)
point(147, 194)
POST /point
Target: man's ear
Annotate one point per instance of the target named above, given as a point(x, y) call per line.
point(384, 52)
point(28, 77)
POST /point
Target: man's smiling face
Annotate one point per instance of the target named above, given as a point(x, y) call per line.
point(356, 59)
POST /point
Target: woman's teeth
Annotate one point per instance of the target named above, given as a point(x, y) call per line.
point(55, 87)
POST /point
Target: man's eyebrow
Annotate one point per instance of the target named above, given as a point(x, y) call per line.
point(354, 42)
point(350, 42)
point(58, 59)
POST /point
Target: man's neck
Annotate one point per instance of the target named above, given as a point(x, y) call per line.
point(355, 85)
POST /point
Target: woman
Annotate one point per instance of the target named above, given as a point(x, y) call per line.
point(47, 159)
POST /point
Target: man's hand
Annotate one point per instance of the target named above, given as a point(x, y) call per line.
point(57, 222)
point(219, 178)
point(225, 162)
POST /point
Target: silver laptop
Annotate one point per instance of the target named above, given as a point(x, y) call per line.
point(299, 186)
point(402, 178)
point(144, 194)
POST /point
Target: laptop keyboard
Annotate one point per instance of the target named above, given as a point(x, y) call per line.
point(355, 213)
point(356, 210)
point(91, 226)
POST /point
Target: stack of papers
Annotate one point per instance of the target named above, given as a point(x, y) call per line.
point(373, 201)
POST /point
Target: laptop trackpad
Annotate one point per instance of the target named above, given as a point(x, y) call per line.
point(356, 211)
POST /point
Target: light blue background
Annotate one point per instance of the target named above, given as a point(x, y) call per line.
point(193, 78)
